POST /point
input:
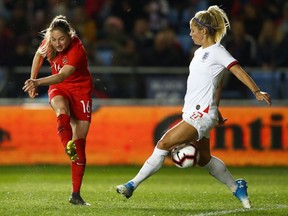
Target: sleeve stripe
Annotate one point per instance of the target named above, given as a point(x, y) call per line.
point(231, 64)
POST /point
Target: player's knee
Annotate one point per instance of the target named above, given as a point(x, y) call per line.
point(204, 159)
point(162, 144)
point(62, 110)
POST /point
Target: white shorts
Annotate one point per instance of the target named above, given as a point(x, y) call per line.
point(202, 122)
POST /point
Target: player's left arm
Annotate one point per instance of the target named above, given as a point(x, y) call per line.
point(241, 74)
point(65, 72)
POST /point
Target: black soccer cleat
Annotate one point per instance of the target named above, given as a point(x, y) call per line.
point(76, 199)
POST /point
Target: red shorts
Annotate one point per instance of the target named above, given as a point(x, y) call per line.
point(80, 104)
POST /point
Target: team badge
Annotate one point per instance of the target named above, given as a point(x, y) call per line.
point(64, 60)
point(205, 56)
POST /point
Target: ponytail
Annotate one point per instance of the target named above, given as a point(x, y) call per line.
point(214, 19)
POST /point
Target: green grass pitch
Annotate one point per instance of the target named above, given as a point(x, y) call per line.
point(45, 189)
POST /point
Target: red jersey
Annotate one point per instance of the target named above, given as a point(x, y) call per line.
point(77, 87)
point(75, 55)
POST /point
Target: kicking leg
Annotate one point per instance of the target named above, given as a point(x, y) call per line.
point(179, 134)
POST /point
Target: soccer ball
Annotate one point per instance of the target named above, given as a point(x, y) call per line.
point(185, 155)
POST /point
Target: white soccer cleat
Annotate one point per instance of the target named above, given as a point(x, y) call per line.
point(126, 189)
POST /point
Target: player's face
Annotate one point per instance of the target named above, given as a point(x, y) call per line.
point(59, 40)
point(196, 34)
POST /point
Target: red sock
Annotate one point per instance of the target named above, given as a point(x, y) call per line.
point(78, 167)
point(64, 128)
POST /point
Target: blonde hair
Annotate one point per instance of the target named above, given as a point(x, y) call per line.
point(214, 19)
point(58, 23)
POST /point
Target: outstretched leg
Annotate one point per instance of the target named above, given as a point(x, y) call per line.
point(151, 166)
point(179, 134)
point(218, 170)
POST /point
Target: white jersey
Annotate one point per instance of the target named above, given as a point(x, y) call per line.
point(205, 73)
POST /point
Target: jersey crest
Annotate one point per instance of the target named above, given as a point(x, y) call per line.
point(64, 60)
point(205, 56)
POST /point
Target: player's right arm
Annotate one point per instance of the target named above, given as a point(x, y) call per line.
point(32, 84)
point(36, 65)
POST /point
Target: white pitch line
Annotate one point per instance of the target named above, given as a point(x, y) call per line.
point(241, 210)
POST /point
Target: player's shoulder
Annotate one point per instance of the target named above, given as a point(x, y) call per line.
point(214, 50)
point(76, 41)
point(219, 49)
point(77, 44)
point(218, 46)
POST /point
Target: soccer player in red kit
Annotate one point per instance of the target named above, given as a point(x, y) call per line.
point(69, 93)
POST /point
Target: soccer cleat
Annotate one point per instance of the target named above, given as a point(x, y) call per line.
point(126, 189)
point(241, 193)
point(71, 150)
point(76, 199)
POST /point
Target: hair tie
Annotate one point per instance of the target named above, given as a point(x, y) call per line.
point(210, 28)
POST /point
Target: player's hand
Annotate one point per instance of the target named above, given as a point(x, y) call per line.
point(260, 96)
point(30, 86)
point(32, 93)
point(221, 120)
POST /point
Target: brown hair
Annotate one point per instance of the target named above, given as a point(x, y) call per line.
point(214, 19)
point(58, 23)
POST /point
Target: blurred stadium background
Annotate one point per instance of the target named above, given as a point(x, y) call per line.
point(139, 52)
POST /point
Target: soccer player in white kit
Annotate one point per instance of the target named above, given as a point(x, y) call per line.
point(200, 111)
